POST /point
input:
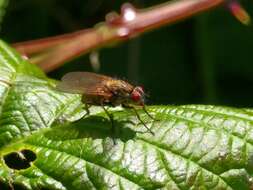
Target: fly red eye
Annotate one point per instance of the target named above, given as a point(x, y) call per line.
point(135, 96)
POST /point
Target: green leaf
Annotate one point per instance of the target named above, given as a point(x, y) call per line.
point(46, 143)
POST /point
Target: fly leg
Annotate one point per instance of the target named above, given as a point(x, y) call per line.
point(110, 116)
point(143, 123)
point(146, 111)
point(139, 118)
point(87, 109)
point(86, 106)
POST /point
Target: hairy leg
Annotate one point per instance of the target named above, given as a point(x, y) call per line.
point(139, 118)
point(146, 111)
point(87, 109)
point(110, 116)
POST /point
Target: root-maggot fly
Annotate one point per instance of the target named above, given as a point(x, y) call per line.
point(103, 91)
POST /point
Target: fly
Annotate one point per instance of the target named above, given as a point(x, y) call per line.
point(103, 91)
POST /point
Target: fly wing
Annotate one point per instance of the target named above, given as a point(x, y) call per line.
point(84, 83)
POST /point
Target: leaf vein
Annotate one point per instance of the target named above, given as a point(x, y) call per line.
point(211, 127)
point(162, 149)
point(90, 162)
point(168, 170)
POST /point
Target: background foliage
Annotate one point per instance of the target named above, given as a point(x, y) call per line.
point(205, 59)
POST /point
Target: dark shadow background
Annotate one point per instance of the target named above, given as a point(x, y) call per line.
point(206, 59)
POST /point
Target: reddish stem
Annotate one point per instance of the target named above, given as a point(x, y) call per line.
point(130, 23)
point(35, 46)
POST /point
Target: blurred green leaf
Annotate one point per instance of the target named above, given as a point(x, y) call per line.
point(3, 5)
point(44, 143)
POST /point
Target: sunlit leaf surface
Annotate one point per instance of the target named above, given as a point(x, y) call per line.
point(45, 143)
